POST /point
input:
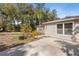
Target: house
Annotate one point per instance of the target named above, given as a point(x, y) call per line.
point(65, 28)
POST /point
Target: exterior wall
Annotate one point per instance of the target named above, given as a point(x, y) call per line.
point(40, 29)
point(76, 29)
point(51, 30)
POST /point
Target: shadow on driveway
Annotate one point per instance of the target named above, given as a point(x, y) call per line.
point(69, 48)
point(17, 51)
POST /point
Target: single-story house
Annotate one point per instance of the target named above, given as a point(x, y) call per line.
point(64, 28)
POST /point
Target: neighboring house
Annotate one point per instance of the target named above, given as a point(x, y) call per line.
point(64, 28)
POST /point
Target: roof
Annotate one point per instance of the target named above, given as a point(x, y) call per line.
point(62, 20)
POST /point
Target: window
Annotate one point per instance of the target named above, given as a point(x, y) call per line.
point(59, 28)
point(68, 28)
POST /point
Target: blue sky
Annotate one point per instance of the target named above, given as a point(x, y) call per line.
point(64, 9)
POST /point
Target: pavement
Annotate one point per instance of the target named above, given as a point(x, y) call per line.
point(45, 46)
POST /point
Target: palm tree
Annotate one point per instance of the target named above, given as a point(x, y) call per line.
point(39, 12)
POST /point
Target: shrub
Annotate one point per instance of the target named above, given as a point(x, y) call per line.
point(17, 28)
point(26, 29)
point(1, 26)
point(22, 37)
point(35, 33)
point(10, 27)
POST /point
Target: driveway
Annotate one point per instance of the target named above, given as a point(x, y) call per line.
point(45, 46)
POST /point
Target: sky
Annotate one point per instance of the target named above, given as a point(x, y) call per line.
point(64, 9)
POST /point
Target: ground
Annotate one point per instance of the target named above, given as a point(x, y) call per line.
point(11, 39)
point(45, 46)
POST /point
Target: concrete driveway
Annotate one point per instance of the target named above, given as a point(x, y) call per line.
point(45, 46)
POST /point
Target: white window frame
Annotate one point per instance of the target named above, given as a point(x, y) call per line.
point(57, 29)
point(64, 27)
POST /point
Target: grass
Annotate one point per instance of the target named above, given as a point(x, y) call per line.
point(10, 39)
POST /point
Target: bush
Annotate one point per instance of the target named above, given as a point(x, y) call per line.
point(26, 29)
point(35, 33)
point(10, 27)
point(22, 37)
point(1, 26)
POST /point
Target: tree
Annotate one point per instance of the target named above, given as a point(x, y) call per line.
point(39, 12)
point(54, 12)
point(23, 13)
point(40, 5)
point(43, 14)
point(10, 27)
point(9, 14)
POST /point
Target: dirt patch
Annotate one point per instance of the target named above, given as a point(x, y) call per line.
point(9, 40)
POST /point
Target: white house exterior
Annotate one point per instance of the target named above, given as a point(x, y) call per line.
point(65, 28)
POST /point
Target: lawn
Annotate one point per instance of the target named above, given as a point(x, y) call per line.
point(10, 39)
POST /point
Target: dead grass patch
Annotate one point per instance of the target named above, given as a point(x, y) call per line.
point(9, 40)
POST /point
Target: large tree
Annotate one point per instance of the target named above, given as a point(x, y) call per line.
point(23, 13)
point(9, 13)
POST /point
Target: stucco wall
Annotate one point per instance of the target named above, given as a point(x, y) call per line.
point(76, 29)
point(51, 30)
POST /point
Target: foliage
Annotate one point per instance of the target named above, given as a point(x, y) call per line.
point(1, 26)
point(22, 37)
point(26, 29)
point(23, 13)
point(35, 33)
point(10, 27)
point(17, 28)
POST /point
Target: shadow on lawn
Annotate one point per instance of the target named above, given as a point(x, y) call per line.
point(4, 46)
point(69, 48)
point(16, 51)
